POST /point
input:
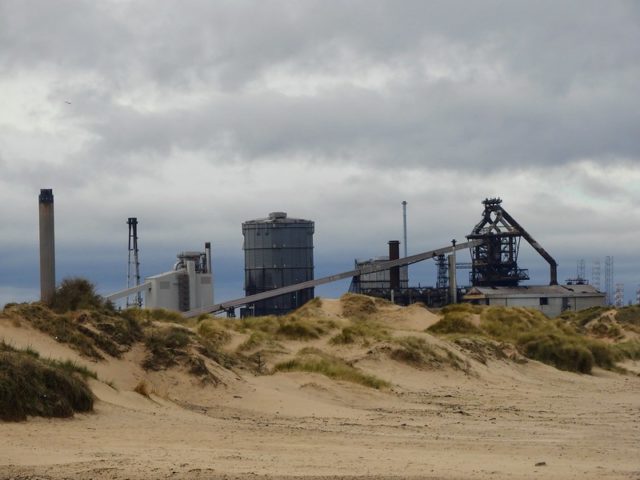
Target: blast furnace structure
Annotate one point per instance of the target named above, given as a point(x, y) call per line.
point(278, 251)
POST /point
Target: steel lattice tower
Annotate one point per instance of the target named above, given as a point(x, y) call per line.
point(133, 268)
point(595, 274)
point(619, 296)
point(581, 270)
point(443, 276)
point(608, 279)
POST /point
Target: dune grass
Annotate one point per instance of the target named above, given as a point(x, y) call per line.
point(419, 353)
point(77, 294)
point(358, 306)
point(454, 322)
point(315, 361)
point(30, 385)
point(165, 346)
point(557, 342)
point(361, 331)
point(214, 331)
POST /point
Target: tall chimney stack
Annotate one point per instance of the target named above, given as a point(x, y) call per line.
point(47, 246)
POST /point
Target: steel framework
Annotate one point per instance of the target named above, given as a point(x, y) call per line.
point(133, 267)
point(495, 260)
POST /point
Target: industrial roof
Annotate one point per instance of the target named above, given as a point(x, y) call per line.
point(534, 291)
point(277, 217)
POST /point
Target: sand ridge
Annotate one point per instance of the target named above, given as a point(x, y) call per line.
point(500, 420)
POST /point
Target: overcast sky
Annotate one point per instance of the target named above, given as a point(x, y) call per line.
point(197, 115)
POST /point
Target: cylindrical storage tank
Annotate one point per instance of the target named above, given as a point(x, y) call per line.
point(278, 251)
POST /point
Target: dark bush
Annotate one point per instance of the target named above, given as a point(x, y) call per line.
point(76, 294)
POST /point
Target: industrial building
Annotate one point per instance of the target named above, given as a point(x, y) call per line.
point(551, 300)
point(278, 252)
point(188, 286)
point(279, 272)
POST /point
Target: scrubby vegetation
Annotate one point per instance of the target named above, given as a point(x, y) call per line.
point(358, 306)
point(30, 385)
point(77, 294)
point(417, 352)
point(315, 361)
point(563, 342)
point(361, 331)
point(93, 333)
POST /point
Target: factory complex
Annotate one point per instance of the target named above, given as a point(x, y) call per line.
point(279, 270)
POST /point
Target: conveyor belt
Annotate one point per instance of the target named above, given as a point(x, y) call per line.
point(231, 304)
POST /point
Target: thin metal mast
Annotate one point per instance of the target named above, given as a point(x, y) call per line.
point(404, 225)
point(133, 267)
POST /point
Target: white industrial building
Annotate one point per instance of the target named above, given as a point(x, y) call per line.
point(551, 300)
point(187, 287)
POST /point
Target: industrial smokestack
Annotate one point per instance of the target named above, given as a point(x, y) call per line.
point(207, 251)
point(394, 272)
point(404, 225)
point(47, 246)
point(453, 285)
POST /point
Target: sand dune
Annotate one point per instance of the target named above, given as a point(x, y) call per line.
point(499, 420)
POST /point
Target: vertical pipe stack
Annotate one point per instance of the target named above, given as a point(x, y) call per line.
point(394, 272)
point(47, 246)
point(404, 225)
point(453, 285)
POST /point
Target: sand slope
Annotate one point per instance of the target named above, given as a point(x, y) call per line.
point(498, 421)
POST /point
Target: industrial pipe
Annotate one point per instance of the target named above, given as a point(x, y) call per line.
point(394, 272)
point(47, 245)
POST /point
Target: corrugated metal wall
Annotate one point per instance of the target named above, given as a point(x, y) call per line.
point(278, 251)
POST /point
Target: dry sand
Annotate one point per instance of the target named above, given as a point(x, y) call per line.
point(505, 421)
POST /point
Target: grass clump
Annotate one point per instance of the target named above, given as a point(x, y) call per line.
point(142, 388)
point(290, 327)
point(314, 361)
point(165, 346)
point(627, 350)
point(629, 316)
point(465, 308)
point(212, 331)
point(362, 332)
point(30, 385)
point(93, 333)
point(77, 294)
point(454, 322)
point(164, 315)
point(358, 306)
point(558, 350)
point(582, 317)
point(418, 353)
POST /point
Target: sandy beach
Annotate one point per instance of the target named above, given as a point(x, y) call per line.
point(502, 420)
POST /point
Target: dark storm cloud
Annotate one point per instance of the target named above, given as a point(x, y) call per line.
point(561, 83)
